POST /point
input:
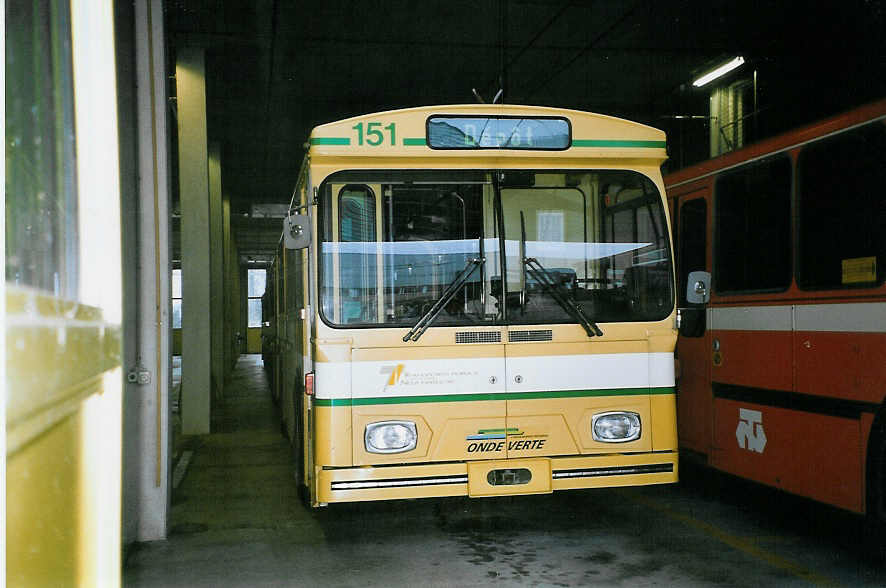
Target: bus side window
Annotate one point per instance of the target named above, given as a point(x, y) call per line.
point(752, 249)
point(358, 269)
point(842, 241)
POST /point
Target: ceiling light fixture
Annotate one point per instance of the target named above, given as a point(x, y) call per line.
point(722, 70)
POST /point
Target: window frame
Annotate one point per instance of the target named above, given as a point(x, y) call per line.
point(497, 117)
point(250, 298)
point(179, 298)
point(370, 194)
point(362, 177)
point(800, 223)
point(716, 244)
point(381, 176)
point(51, 147)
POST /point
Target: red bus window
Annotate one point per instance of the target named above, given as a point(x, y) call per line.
point(752, 249)
point(842, 232)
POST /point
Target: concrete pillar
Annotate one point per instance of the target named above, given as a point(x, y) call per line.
point(228, 333)
point(216, 260)
point(196, 241)
point(155, 269)
point(236, 302)
point(142, 79)
point(125, 41)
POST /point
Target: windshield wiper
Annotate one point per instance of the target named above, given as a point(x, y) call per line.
point(549, 283)
point(544, 277)
point(451, 290)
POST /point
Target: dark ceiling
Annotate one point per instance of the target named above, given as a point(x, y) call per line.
point(277, 68)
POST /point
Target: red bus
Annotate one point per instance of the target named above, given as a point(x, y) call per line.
point(781, 263)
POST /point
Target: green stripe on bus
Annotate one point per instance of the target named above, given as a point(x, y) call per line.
point(617, 143)
point(415, 142)
point(493, 396)
point(585, 393)
point(330, 141)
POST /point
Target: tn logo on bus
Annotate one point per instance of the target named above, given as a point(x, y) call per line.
point(750, 432)
point(396, 372)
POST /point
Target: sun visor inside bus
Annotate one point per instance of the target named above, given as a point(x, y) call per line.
point(499, 132)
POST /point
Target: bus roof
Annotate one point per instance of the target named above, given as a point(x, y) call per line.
point(779, 143)
point(404, 133)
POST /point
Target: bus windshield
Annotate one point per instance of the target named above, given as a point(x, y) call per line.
point(541, 242)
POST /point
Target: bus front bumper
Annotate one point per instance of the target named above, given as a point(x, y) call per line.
point(504, 477)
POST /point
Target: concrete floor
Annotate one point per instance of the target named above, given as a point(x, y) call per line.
point(237, 521)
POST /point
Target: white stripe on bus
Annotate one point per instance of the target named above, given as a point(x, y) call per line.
point(751, 318)
point(855, 317)
point(434, 377)
point(858, 317)
point(591, 372)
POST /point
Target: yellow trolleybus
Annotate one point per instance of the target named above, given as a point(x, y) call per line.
point(476, 300)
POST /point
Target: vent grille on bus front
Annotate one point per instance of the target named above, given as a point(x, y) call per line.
point(524, 336)
point(478, 337)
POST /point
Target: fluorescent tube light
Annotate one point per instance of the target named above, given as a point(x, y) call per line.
point(723, 69)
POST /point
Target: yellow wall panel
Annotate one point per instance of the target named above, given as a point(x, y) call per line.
point(42, 501)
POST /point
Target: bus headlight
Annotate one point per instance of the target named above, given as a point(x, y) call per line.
point(390, 437)
point(615, 427)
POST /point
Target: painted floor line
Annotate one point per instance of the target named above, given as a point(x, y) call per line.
point(738, 543)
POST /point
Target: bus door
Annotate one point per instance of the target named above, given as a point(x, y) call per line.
point(694, 346)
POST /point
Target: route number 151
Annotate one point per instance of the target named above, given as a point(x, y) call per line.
point(373, 134)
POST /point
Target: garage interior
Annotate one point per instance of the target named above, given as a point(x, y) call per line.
point(223, 97)
point(274, 70)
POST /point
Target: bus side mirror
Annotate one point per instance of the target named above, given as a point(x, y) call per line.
point(296, 231)
point(698, 288)
point(692, 320)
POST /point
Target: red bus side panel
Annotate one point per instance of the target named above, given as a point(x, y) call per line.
point(756, 359)
point(848, 365)
point(812, 455)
